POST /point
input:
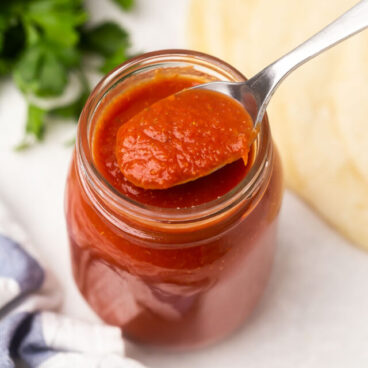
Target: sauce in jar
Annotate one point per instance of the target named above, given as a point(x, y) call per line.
point(180, 267)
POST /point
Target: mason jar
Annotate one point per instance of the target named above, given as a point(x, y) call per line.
point(173, 277)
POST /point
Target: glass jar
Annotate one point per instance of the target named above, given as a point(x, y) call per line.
point(177, 278)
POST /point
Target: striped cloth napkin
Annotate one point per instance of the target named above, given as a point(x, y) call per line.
point(29, 331)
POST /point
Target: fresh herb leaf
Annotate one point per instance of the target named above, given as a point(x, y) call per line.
point(110, 41)
point(105, 39)
point(111, 62)
point(58, 19)
point(32, 33)
point(40, 72)
point(35, 121)
point(42, 41)
point(13, 41)
point(69, 56)
point(27, 69)
point(125, 4)
point(4, 67)
point(53, 76)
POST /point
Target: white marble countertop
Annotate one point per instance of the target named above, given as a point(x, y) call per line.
point(315, 310)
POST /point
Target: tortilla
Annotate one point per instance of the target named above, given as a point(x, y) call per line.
point(319, 114)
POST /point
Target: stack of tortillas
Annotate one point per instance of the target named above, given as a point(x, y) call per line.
point(319, 115)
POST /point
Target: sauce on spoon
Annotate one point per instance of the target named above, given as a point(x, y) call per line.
point(183, 137)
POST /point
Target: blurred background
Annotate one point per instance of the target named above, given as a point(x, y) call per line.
point(52, 53)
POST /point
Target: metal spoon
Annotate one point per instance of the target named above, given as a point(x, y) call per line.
point(256, 93)
point(253, 94)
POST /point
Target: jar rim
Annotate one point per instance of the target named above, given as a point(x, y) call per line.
point(101, 190)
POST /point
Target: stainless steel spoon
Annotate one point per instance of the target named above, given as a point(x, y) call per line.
point(256, 93)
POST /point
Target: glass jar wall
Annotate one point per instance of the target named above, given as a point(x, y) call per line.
point(174, 277)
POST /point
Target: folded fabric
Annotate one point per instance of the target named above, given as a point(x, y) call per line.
point(29, 331)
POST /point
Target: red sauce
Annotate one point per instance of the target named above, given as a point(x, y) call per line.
point(183, 137)
point(166, 283)
point(127, 105)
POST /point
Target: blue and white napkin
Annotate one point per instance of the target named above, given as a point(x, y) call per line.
point(29, 331)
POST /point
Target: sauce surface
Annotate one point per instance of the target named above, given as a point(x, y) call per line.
point(121, 109)
point(183, 137)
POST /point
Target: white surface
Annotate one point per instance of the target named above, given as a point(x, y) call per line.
point(314, 312)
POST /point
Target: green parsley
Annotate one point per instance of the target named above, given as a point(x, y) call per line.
point(43, 41)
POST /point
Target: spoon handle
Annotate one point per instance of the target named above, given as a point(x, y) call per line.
point(348, 24)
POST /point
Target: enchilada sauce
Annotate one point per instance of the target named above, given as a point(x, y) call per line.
point(183, 137)
point(175, 286)
point(207, 129)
